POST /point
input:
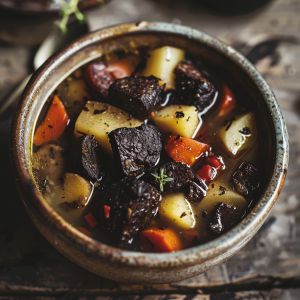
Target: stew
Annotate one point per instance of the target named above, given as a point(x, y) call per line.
point(148, 151)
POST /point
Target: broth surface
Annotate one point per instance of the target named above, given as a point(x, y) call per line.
point(207, 132)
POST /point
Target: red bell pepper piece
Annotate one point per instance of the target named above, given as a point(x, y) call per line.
point(215, 162)
point(106, 209)
point(207, 173)
point(227, 103)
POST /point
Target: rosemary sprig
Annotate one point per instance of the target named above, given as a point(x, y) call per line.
point(68, 8)
point(161, 178)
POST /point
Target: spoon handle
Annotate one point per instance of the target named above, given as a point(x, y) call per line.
point(6, 103)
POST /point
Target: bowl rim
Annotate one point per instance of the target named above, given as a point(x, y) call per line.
point(230, 241)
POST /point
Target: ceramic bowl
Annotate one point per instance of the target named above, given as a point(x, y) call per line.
point(121, 265)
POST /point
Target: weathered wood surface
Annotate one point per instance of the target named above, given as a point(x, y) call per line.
point(242, 295)
point(268, 267)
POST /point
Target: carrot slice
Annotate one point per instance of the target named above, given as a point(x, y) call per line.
point(185, 150)
point(53, 125)
point(228, 102)
point(120, 68)
point(162, 240)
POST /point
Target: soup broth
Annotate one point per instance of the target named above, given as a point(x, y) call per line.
point(149, 151)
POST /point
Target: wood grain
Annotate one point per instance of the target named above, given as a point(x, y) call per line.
point(268, 267)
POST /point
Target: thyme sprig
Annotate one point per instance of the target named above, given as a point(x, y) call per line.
point(69, 8)
point(161, 178)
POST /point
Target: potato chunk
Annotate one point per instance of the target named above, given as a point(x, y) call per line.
point(180, 120)
point(99, 119)
point(218, 192)
point(239, 135)
point(48, 163)
point(177, 211)
point(76, 189)
point(162, 63)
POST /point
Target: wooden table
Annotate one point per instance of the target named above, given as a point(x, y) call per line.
point(268, 267)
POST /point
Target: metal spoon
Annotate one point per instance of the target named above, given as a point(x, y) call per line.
point(55, 41)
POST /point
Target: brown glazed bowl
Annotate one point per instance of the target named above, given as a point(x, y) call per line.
point(139, 267)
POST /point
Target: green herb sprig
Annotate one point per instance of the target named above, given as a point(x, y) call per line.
point(161, 178)
point(68, 8)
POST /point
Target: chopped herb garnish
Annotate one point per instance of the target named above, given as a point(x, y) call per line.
point(183, 215)
point(161, 178)
point(204, 213)
point(245, 131)
point(70, 205)
point(222, 190)
point(44, 185)
point(179, 114)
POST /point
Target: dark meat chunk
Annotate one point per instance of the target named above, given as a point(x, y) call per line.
point(224, 217)
point(137, 95)
point(133, 203)
point(136, 149)
point(90, 158)
point(246, 179)
point(195, 190)
point(174, 175)
point(192, 87)
point(98, 78)
point(186, 70)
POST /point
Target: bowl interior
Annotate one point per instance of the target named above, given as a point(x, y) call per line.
point(225, 62)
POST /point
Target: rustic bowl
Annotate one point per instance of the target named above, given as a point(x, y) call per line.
point(130, 266)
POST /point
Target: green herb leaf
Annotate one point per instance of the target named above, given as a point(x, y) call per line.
point(70, 7)
point(161, 178)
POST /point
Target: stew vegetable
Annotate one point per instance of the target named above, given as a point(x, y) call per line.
point(148, 152)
